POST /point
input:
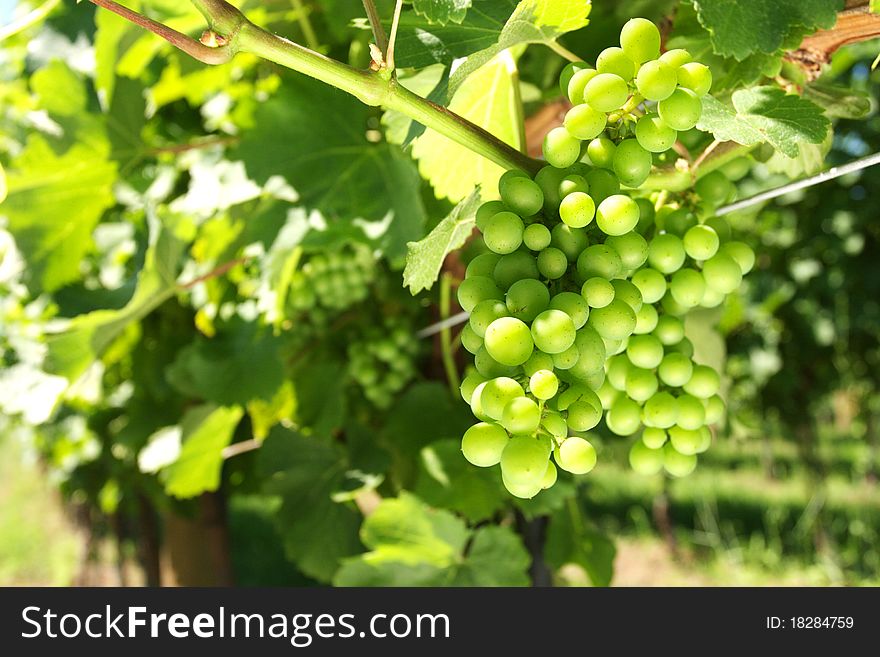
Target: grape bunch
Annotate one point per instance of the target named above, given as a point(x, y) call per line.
point(332, 281)
point(577, 307)
point(382, 359)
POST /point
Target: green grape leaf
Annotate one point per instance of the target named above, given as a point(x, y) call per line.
point(442, 12)
point(533, 21)
point(570, 542)
point(447, 481)
point(125, 120)
point(420, 45)
point(412, 544)
point(81, 341)
point(765, 114)
point(205, 432)
point(425, 258)
point(306, 474)
point(739, 29)
point(490, 98)
point(319, 382)
point(241, 363)
point(839, 102)
point(333, 163)
point(874, 6)
point(809, 160)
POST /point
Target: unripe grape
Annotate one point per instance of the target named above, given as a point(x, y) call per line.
point(483, 265)
point(573, 305)
point(714, 188)
point(617, 214)
point(514, 267)
point(536, 237)
point(538, 361)
point(687, 287)
point(685, 441)
point(660, 411)
point(599, 260)
point(470, 340)
point(583, 416)
point(543, 384)
point(701, 242)
point(552, 263)
point(651, 283)
point(490, 368)
point(475, 289)
point(632, 163)
point(743, 255)
point(578, 83)
point(483, 444)
point(548, 179)
point(675, 369)
point(602, 184)
point(561, 150)
point(653, 437)
point(504, 233)
point(640, 40)
point(670, 330)
point(646, 319)
point(676, 57)
point(524, 491)
point(524, 460)
point(647, 215)
point(496, 394)
point(521, 194)
point(615, 321)
point(714, 409)
point(597, 292)
point(721, 227)
point(571, 241)
point(484, 313)
point(578, 393)
point(487, 211)
point(469, 384)
point(628, 293)
point(549, 477)
point(576, 455)
point(527, 298)
point(654, 135)
point(606, 92)
point(677, 464)
point(585, 123)
point(624, 417)
point(656, 80)
point(577, 209)
point(691, 413)
point(679, 222)
point(600, 152)
point(641, 384)
point(509, 341)
point(704, 382)
point(696, 77)
point(553, 332)
point(645, 351)
point(568, 72)
point(521, 416)
point(567, 359)
point(555, 425)
point(631, 247)
point(615, 60)
point(617, 369)
point(682, 110)
point(722, 273)
point(644, 460)
point(666, 253)
point(573, 183)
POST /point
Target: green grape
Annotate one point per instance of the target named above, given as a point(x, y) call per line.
point(628, 293)
point(696, 77)
point(561, 150)
point(666, 253)
point(721, 227)
point(714, 188)
point(591, 349)
point(647, 215)
point(651, 283)
point(600, 152)
point(617, 369)
point(583, 416)
point(483, 444)
point(585, 123)
point(676, 58)
point(640, 40)
point(483, 265)
point(553, 332)
point(521, 194)
point(527, 298)
point(521, 416)
point(568, 72)
point(644, 460)
point(677, 464)
point(504, 233)
point(514, 267)
point(670, 330)
point(496, 394)
point(617, 214)
point(737, 169)
point(548, 179)
point(712, 298)
point(469, 384)
point(606, 92)
point(524, 460)
point(491, 368)
point(616, 61)
point(675, 369)
point(523, 491)
point(487, 211)
point(682, 110)
point(684, 347)
point(598, 292)
point(646, 319)
point(687, 287)
point(571, 241)
point(607, 394)
point(624, 417)
point(641, 384)
point(599, 260)
point(536, 237)
point(660, 411)
point(470, 340)
point(704, 382)
point(656, 80)
point(632, 163)
point(543, 384)
point(576, 455)
point(573, 305)
point(509, 341)
point(476, 402)
point(475, 289)
point(653, 437)
point(742, 254)
point(691, 413)
point(484, 313)
point(631, 247)
point(705, 439)
point(714, 409)
point(722, 273)
point(602, 184)
point(701, 242)
point(685, 441)
point(578, 84)
point(654, 135)
point(566, 359)
point(679, 222)
point(615, 321)
point(549, 477)
point(645, 351)
point(573, 183)
point(577, 209)
point(552, 263)
point(555, 425)
point(578, 393)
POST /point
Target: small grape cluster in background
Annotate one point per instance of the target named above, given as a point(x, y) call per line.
point(576, 310)
point(331, 281)
point(382, 360)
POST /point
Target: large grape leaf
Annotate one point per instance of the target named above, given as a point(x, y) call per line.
point(442, 11)
point(571, 541)
point(205, 431)
point(306, 474)
point(317, 138)
point(765, 114)
point(76, 344)
point(533, 21)
point(740, 29)
point(425, 258)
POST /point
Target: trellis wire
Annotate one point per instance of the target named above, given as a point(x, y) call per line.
point(825, 176)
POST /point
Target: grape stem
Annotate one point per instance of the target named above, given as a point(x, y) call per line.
point(446, 334)
point(681, 176)
point(376, 25)
point(230, 32)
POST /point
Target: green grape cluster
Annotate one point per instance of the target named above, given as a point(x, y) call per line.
point(332, 281)
point(576, 310)
point(382, 360)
